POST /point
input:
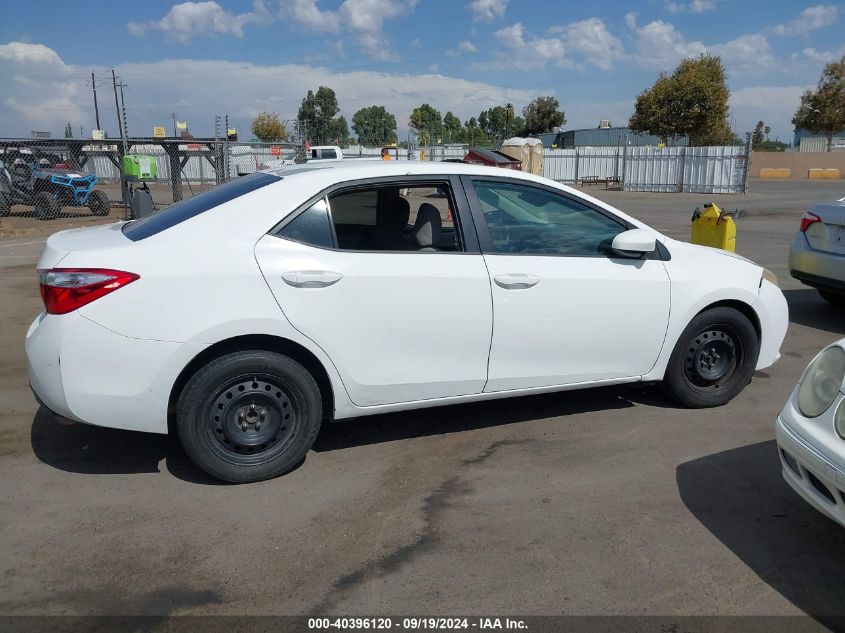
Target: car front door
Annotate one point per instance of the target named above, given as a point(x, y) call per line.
point(565, 311)
point(399, 301)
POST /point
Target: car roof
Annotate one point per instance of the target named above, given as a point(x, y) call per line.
point(354, 169)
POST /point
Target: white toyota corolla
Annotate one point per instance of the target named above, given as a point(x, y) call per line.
point(246, 315)
point(811, 434)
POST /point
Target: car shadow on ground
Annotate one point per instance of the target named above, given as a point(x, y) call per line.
point(94, 450)
point(402, 425)
point(741, 498)
point(86, 449)
point(806, 307)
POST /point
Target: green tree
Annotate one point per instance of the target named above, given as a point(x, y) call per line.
point(822, 111)
point(339, 132)
point(758, 135)
point(543, 115)
point(267, 128)
point(316, 115)
point(473, 134)
point(427, 123)
point(68, 131)
point(692, 101)
point(451, 128)
point(374, 126)
point(496, 123)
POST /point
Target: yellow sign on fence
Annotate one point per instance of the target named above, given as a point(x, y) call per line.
point(158, 131)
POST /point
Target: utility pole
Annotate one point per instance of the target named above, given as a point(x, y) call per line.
point(175, 132)
point(117, 109)
point(123, 108)
point(96, 107)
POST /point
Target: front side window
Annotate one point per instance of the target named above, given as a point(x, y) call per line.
point(534, 221)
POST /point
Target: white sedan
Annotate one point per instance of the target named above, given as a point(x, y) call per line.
point(811, 434)
point(243, 317)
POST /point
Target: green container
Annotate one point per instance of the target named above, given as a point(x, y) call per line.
point(139, 167)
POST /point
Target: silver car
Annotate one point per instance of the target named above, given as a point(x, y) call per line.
point(817, 254)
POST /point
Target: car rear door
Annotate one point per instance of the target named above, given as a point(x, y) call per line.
point(564, 311)
point(399, 325)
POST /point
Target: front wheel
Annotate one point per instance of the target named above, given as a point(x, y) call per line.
point(46, 206)
point(249, 416)
point(99, 202)
point(713, 359)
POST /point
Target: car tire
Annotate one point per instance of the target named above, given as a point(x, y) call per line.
point(249, 416)
point(99, 202)
point(46, 206)
point(713, 360)
point(834, 298)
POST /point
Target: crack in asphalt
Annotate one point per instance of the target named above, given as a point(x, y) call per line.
point(433, 507)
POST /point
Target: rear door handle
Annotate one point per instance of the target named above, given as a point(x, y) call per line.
point(516, 281)
point(311, 278)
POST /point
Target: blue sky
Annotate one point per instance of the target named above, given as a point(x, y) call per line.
point(241, 57)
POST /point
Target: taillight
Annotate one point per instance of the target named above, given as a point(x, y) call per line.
point(808, 219)
point(66, 289)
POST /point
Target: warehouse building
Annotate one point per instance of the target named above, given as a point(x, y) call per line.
point(604, 136)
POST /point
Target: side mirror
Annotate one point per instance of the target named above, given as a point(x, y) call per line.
point(634, 243)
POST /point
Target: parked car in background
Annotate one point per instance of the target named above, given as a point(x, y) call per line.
point(309, 293)
point(817, 254)
point(811, 434)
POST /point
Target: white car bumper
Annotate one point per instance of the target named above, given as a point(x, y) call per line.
point(85, 372)
point(811, 474)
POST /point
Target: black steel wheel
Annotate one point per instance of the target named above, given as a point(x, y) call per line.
point(713, 359)
point(99, 202)
point(249, 416)
point(46, 206)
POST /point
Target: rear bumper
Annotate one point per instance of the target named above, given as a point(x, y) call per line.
point(85, 372)
point(816, 268)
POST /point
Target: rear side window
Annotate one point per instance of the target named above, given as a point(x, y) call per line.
point(311, 226)
point(193, 206)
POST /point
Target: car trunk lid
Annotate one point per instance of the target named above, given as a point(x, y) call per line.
point(828, 235)
point(94, 238)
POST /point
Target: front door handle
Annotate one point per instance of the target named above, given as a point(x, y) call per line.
point(311, 278)
point(516, 281)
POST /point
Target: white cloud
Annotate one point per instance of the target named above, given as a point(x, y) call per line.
point(659, 45)
point(591, 40)
point(824, 57)
point(362, 19)
point(38, 91)
point(745, 50)
point(192, 89)
point(696, 6)
point(809, 20)
point(487, 10)
point(773, 104)
point(187, 20)
point(306, 13)
point(467, 47)
point(535, 52)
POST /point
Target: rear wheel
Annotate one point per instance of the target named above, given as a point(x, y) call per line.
point(713, 360)
point(46, 206)
point(99, 202)
point(833, 297)
point(249, 416)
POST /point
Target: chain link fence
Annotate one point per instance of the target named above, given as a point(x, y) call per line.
point(82, 181)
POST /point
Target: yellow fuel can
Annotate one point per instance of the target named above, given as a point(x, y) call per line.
point(712, 227)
